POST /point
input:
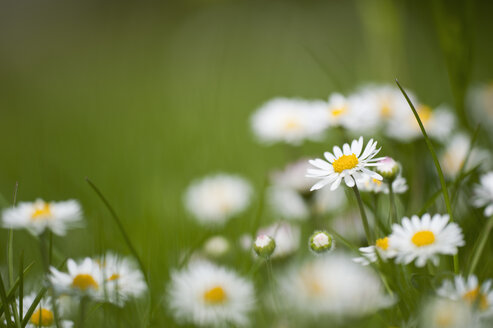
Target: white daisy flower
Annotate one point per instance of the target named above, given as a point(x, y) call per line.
point(369, 254)
point(43, 315)
point(289, 120)
point(455, 153)
point(215, 199)
point(483, 194)
point(469, 290)
point(39, 216)
point(480, 99)
point(325, 200)
point(122, 278)
point(349, 225)
point(445, 313)
point(216, 246)
point(293, 177)
point(84, 278)
point(208, 295)
point(361, 117)
point(286, 236)
point(337, 109)
point(287, 204)
point(332, 285)
point(424, 239)
point(349, 164)
point(368, 184)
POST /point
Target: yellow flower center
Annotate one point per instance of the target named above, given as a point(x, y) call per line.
point(291, 124)
point(84, 281)
point(215, 295)
point(423, 238)
point(338, 111)
point(377, 182)
point(42, 317)
point(382, 243)
point(345, 162)
point(444, 319)
point(114, 276)
point(424, 113)
point(476, 297)
point(42, 211)
point(385, 110)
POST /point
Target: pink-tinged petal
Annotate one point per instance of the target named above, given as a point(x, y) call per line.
point(331, 158)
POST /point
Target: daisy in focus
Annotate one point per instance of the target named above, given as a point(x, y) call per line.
point(208, 295)
point(469, 290)
point(483, 194)
point(215, 199)
point(39, 216)
point(424, 238)
point(349, 164)
point(289, 120)
point(43, 315)
point(122, 278)
point(369, 254)
point(84, 278)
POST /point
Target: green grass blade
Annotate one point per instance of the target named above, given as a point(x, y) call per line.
point(5, 303)
point(13, 289)
point(10, 247)
point(21, 285)
point(33, 306)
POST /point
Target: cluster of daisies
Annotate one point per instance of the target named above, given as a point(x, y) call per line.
point(108, 278)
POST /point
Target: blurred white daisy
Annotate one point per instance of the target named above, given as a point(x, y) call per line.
point(337, 109)
point(286, 236)
point(289, 120)
point(399, 185)
point(39, 216)
point(287, 203)
point(452, 159)
point(333, 285)
point(361, 117)
point(293, 176)
point(349, 225)
point(325, 200)
point(469, 290)
point(43, 315)
point(216, 246)
point(208, 295)
point(349, 164)
point(216, 198)
point(122, 278)
point(483, 194)
point(84, 278)
point(424, 239)
point(445, 313)
point(369, 254)
point(480, 99)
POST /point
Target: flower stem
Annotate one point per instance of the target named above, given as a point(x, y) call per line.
point(393, 208)
point(480, 246)
point(364, 219)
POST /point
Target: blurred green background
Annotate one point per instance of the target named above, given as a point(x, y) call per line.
point(143, 97)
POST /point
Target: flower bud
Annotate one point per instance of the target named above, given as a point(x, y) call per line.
point(388, 168)
point(264, 246)
point(321, 241)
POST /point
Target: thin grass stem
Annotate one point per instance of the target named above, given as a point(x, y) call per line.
point(480, 245)
point(364, 219)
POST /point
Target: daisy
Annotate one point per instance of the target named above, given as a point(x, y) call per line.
point(483, 194)
point(369, 254)
point(293, 177)
point(287, 204)
point(215, 199)
point(455, 154)
point(349, 164)
point(469, 290)
point(84, 278)
point(325, 200)
point(216, 246)
point(40, 216)
point(337, 109)
point(480, 99)
point(289, 120)
point(43, 315)
point(208, 295)
point(122, 278)
point(332, 285)
point(445, 313)
point(424, 239)
point(286, 236)
point(399, 185)
point(264, 246)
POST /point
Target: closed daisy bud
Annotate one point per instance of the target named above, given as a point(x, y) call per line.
point(389, 169)
point(321, 241)
point(264, 246)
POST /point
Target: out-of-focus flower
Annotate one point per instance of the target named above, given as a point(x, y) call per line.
point(424, 239)
point(369, 254)
point(288, 204)
point(44, 314)
point(326, 200)
point(321, 242)
point(264, 246)
point(337, 110)
point(469, 290)
point(122, 278)
point(399, 185)
point(216, 246)
point(333, 285)
point(480, 99)
point(389, 169)
point(286, 236)
point(208, 295)
point(349, 225)
point(293, 177)
point(39, 216)
point(215, 199)
point(455, 154)
point(483, 194)
point(349, 164)
point(84, 278)
point(289, 120)
point(445, 313)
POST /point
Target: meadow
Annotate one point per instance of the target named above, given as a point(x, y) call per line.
point(144, 99)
